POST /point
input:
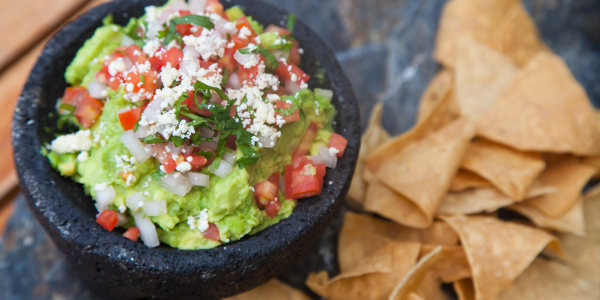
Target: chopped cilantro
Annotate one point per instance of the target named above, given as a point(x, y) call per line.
point(291, 22)
point(270, 59)
point(170, 33)
point(108, 20)
point(153, 139)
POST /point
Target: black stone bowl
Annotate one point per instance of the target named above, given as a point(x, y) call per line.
point(124, 269)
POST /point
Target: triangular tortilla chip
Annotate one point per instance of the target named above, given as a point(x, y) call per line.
point(543, 109)
point(438, 89)
point(374, 136)
point(467, 180)
point(439, 233)
point(452, 264)
point(361, 235)
point(423, 171)
point(568, 177)
point(442, 114)
point(358, 284)
point(517, 36)
point(579, 277)
point(594, 162)
point(481, 75)
point(571, 222)
point(473, 201)
point(511, 171)
point(464, 289)
point(272, 290)
point(415, 276)
point(498, 251)
point(384, 201)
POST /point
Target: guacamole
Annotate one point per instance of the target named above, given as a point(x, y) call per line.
point(194, 127)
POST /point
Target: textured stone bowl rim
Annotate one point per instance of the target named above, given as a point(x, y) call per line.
point(65, 221)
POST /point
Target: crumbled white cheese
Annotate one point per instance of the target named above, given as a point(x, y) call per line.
point(116, 66)
point(74, 142)
point(83, 156)
point(184, 167)
point(333, 151)
point(209, 44)
point(200, 222)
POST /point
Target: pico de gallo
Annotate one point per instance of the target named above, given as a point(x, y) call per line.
point(193, 125)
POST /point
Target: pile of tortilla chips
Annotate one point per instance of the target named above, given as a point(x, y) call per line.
point(504, 127)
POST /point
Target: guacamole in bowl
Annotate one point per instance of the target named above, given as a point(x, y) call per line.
point(194, 125)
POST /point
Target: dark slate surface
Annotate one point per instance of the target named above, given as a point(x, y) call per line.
point(385, 48)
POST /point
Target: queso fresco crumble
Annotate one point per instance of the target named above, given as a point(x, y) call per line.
point(193, 125)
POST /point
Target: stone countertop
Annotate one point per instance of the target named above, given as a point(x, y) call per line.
point(385, 48)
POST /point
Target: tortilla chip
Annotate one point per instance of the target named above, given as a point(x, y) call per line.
point(439, 233)
point(361, 282)
point(362, 235)
point(272, 290)
point(464, 289)
point(481, 75)
point(384, 201)
point(517, 36)
point(441, 115)
point(594, 162)
point(415, 276)
point(438, 89)
point(498, 251)
point(467, 180)
point(511, 171)
point(452, 264)
point(473, 201)
point(543, 109)
point(374, 136)
point(579, 278)
point(571, 222)
point(423, 171)
point(568, 177)
point(413, 296)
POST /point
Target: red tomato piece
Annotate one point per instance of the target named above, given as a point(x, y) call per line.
point(133, 233)
point(231, 142)
point(197, 161)
point(135, 54)
point(294, 57)
point(149, 82)
point(307, 140)
point(274, 178)
point(87, 109)
point(212, 233)
point(129, 118)
point(191, 104)
point(273, 207)
point(288, 71)
point(173, 55)
point(73, 95)
point(216, 7)
point(264, 192)
point(228, 61)
point(243, 22)
point(303, 178)
point(239, 42)
point(291, 118)
point(282, 105)
point(338, 142)
point(248, 74)
point(274, 28)
point(107, 219)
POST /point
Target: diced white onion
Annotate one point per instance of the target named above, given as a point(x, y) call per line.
point(135, 147)
point(325, 157)
point(147, 230)
point(177, 183)
point(135, 201)
point(97, 90)
point(229, 157)
point(176, 5)
point(222, 28)
point(170, 148)
point(234, 81)
point(197, 5)
point(198, 179)
point(141, 132)
point(121, 219)
point(242, 58)
point(325, 93)
point(266, 141)
point(104, 198)
point(292, 87)
point(224, 169)
point(153, 110)
point(155, 208)
point(281, 54)
point(126, 40)
point(128, 63)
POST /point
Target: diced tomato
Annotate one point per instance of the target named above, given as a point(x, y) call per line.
point(169, 165)
point(291, 118)
point(282, 105)
point(248, 74)
point(231, 142)
point(338, 142)
point(133, 233)
point(243, 22)
point(107, 219)
point(212, 233)
point(273, 207)
point(290, 71)
point(264, 192)
point(274, 178)
point(135, 54)
point(129, 118)
point(163, 56)
point(115, 82)
point(184, 29)
point(191, 104)
point(197, 161)
point(307, 140)
point(294, 57)
point(103, 76)
point(274, 28)
point(303, 178)
point(87, 109)
point(228, 61)
point(239, 42)
point(147, 81)
point(216, 7)
point(73, 95)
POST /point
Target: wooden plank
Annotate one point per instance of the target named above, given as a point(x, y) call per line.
point(25, 22)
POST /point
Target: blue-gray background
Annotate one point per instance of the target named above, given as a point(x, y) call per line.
point(385, 48)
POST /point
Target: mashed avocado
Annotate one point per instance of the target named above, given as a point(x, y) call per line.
point(228, 200)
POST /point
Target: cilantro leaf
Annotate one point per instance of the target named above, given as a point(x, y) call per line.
point(153, 139)
point(270, 59)
point(170, 33)
point(291, 22)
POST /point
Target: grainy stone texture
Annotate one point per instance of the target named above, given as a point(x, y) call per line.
point(385, 49)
